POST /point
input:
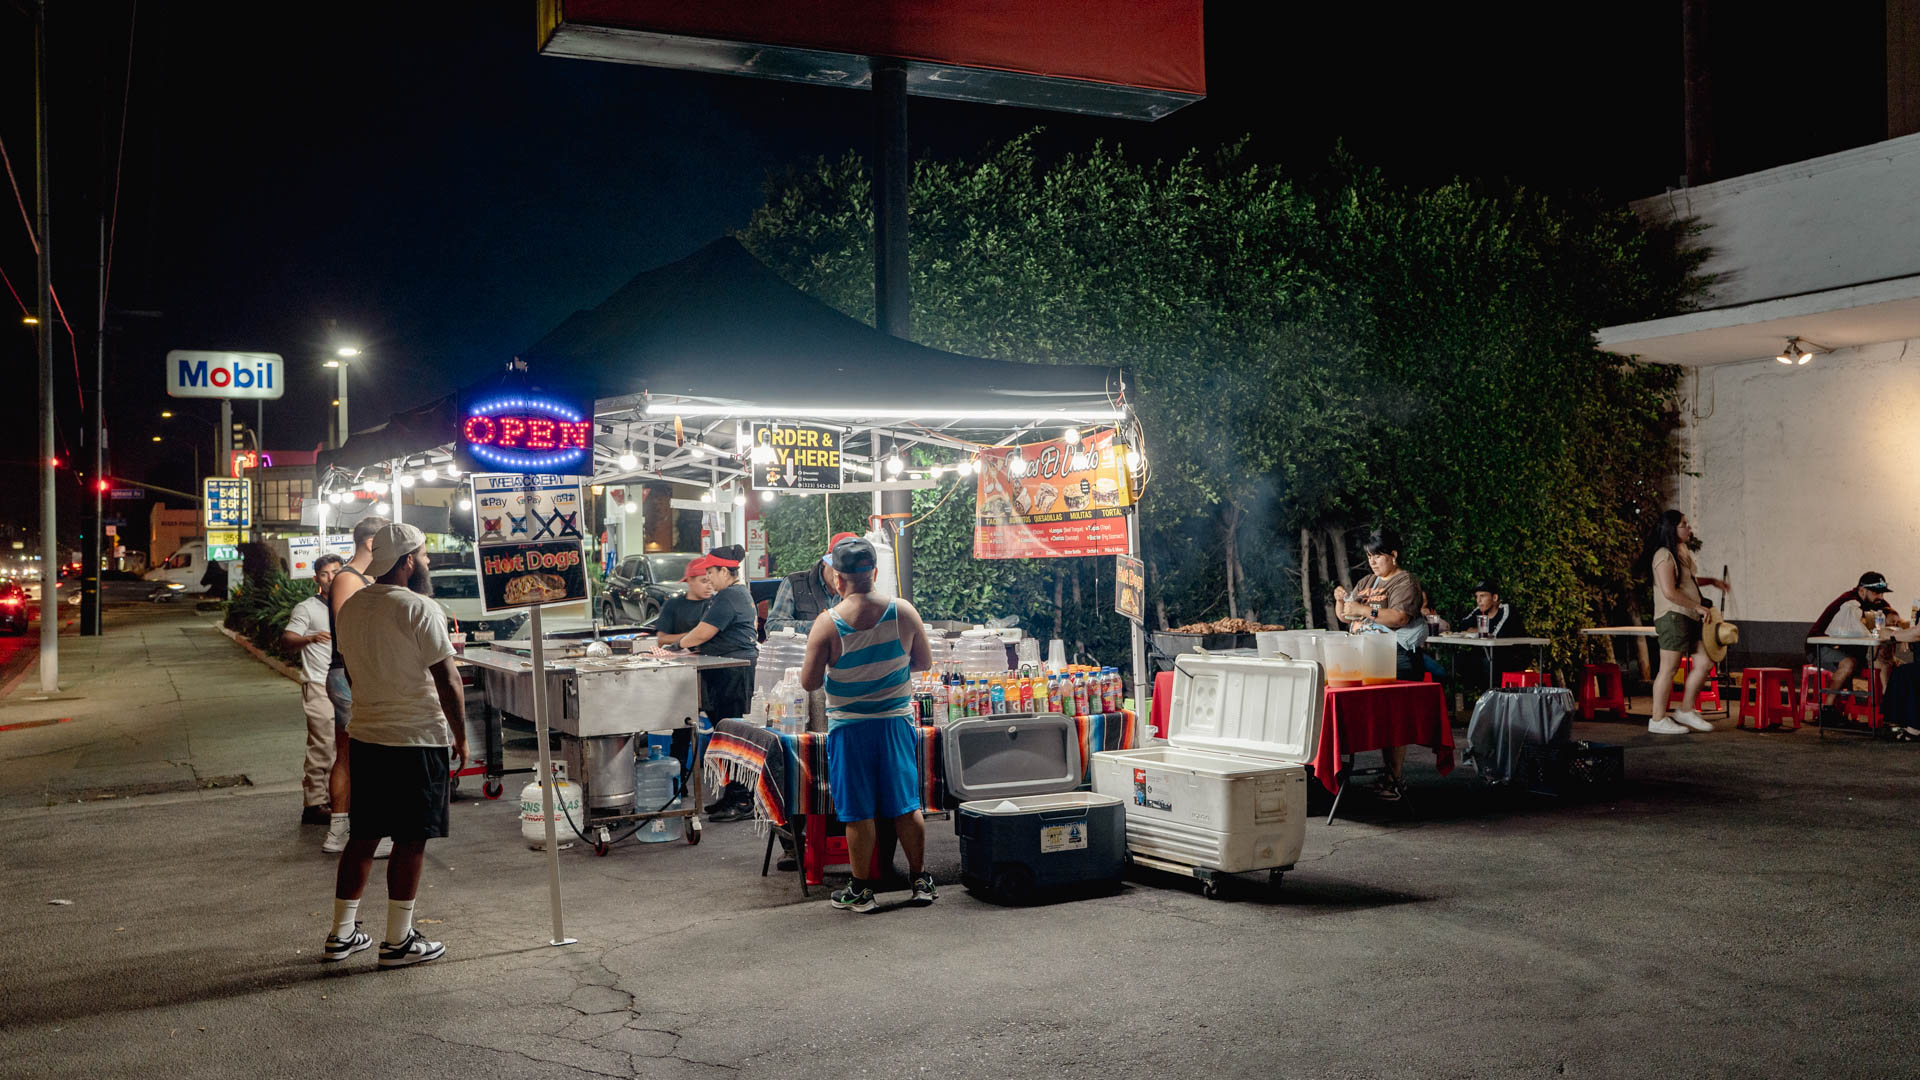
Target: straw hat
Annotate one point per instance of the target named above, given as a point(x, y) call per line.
point(1718, 635)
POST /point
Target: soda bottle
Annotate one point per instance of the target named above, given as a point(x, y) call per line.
point(1079, 694)
point(1110, 685)
point(1053, 692)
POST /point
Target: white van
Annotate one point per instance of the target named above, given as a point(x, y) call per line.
point(182, 571)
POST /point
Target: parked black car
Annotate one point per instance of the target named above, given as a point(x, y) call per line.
point(13, 608)
point(641, 583)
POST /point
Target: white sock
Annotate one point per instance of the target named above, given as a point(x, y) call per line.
point(337, 823)
point(344, 914)
point(399, 920)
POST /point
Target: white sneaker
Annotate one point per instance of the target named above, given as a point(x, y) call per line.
point(384, 848)
point(1666, 725)
point(1692, 720)
point(336, 841)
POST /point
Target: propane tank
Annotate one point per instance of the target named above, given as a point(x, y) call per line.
point(533, 826)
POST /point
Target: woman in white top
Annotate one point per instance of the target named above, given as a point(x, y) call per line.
point(1678, 612)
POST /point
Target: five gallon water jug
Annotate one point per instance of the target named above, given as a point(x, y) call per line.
point(783, 649)
point(654, 784)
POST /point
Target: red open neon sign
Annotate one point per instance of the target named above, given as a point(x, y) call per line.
point(539, 433)
point(524, 433)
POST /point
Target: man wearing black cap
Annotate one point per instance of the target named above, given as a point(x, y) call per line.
point(1851, 614)
point(1502, 622)
point(864, 650)
point(803, 596)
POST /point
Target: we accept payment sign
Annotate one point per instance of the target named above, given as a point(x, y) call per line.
point(529, 548)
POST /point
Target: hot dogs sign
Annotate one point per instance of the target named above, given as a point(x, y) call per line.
point(1052, 500)
point(528, 539)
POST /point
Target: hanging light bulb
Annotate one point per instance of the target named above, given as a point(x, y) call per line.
point(1133, 460)
point(696, 451)
point(1017, 466)
point(466, 504)
point(766, 496)
point(965, 468)
point(1072, 435)
point(428, 472)
point(895, 464)
point(706, 496)
point(453, 471)
point(406, 480)
point(938, 471)
point(630, 507)
point(629, 460)
point(383, 509)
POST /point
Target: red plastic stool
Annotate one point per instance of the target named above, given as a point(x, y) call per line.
point(826, 850)
point(1709, 690)
point(1767, 698)
point(1814, 682)
point(1602, 690)
point(1868, 711)
point(1512, 679)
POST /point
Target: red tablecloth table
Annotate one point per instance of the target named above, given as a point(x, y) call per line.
point(1360, 718)
point(1162, 703)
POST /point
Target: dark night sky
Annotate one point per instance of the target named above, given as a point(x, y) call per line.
point(445, 195)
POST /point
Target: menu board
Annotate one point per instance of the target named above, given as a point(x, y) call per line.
point(1052, 500)
point(529, 548)
point(1130, 588)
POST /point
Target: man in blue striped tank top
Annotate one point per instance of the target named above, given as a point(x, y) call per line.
point(864, 650)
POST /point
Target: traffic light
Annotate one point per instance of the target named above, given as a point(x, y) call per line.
point(102, 485)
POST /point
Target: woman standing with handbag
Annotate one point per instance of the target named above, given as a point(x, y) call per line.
point(1678, 613)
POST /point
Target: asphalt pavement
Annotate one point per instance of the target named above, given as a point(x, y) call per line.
point(1742, 907)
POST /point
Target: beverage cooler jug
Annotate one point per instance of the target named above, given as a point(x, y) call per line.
point(1228, 794)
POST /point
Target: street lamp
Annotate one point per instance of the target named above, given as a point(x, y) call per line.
point(196, 455)
point(168, 414)
point(341, 355)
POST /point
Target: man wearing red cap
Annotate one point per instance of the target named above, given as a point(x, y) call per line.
point(803, 596)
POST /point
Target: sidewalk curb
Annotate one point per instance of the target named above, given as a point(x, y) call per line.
point(261, 656)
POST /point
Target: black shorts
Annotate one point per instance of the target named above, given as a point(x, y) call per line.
point(399, 791)
point(726, 693)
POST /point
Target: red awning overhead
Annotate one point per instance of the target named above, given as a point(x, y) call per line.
point(1140, 58)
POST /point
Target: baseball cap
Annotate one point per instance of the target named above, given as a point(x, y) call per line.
point(854, 556)
point(696, 568)
point(833, 543)
point(1875, 580)
point(1487, 585)
point(391, 544)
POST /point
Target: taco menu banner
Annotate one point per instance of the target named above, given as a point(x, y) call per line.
point(803, 458)
point(528, 541)
point(1052, 500)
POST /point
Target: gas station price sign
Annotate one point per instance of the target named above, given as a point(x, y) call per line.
point(525, 432)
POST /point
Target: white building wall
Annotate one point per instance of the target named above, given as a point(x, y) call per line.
point(1806, 477)
point(1843, 219)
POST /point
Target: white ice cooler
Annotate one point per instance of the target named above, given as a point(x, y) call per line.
point(1229, 791)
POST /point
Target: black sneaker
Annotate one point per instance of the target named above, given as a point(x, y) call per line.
point(415, 950)
point(923, 891)
point(316, 815)
point(738, 811)
point(339, 948)
point(846, 899)
point(787, 862)
point(1389, 790)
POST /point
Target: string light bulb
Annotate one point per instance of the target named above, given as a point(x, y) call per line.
point(965, 468)
point(1072, 435)
point(466, 504)
point(895, 464)
point(628, 459)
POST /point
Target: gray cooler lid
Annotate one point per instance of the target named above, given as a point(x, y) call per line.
point(1014, 754)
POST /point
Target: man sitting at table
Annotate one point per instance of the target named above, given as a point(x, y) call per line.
point(1502, 622)
point(1849, 615)
point(864, 650)
point(1388, 599)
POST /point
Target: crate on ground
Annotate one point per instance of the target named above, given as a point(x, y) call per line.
point(1570, 767)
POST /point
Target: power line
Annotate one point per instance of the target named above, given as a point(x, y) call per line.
point(119, 158)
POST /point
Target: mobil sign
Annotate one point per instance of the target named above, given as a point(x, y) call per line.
point(191, 373)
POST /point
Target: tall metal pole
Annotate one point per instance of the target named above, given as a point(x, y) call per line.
point(49, 523)
point(548, 796)
point(1142, 678)
point(1697, 90)
point(345, 427)
point(892, 312)
point(96, 524)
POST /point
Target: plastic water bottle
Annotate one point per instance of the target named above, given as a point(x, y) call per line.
point(654, 782)
point(1879, 624)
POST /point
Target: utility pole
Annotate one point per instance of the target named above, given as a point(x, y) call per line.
point(1697, 72)
point(96, 524)
point(49, 503)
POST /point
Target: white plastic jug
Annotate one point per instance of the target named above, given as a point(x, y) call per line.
point(654, 781)
point(1343, 659)
point(1379, 658)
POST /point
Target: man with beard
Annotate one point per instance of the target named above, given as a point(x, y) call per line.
point(408, 710)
